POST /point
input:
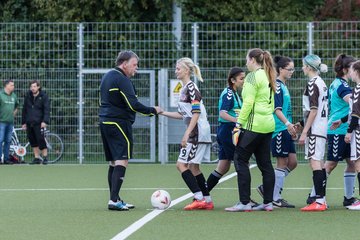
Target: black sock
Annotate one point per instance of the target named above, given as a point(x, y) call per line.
point(202, 184)
point(110, 173)
point(213, 179)
point(318, 179)
point(116, 181)
point(190, 181)
point(325, 181)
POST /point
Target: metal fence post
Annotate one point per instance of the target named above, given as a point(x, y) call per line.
point(310, 28)
point(80, 102)
point(163, 121)
point(195, 45)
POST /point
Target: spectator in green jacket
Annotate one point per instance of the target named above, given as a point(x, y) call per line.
point(8, 108)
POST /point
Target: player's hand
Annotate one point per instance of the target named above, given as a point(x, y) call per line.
point(335, 124)
point(302, 138)
point(347, 138)
point(291, 129)
point(184, 140)
point(235, 135)
point(23, 126)
point(298, 127)
point(159, 110)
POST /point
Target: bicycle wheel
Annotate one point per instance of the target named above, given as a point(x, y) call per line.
point(55, 147)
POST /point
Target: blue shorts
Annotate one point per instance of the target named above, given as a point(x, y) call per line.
point(282, 144)
point(224, 139)
point(338, 149)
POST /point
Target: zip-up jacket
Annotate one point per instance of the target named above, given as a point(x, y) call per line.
point(36, 109)
point(118, 99)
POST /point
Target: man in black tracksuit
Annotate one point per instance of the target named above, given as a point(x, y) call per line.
point(118, 107)
point(35, 117)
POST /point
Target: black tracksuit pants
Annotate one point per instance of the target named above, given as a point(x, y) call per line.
point(258, 144)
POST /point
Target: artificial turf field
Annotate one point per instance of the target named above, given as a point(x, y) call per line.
point(70, 202)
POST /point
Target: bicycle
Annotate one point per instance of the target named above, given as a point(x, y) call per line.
point(54, 144)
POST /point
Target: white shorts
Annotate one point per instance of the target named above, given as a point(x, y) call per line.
point(315, 148)
point(195, 153)
point(355, 145)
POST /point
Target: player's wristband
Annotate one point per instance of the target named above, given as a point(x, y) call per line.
point(288, 123)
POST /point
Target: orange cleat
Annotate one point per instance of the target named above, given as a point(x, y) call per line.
point(209, 205)
point(314, 207)
point(197, 204)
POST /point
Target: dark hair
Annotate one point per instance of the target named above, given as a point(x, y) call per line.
point(342, 62)
point(281, 62)
point(35, 81)
point(264, 59)
point(233, 73)
point(125, 56)
point(356, 67)
point(7, 81)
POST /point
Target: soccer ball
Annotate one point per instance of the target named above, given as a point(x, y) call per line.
point(160, 199)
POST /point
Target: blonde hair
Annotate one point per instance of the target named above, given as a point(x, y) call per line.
point(189, 64)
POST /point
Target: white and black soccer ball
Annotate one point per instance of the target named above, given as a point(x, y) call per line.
point(160, 199)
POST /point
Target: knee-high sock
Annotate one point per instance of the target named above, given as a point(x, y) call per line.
point(213, 180)
point(110, 173)
point(192, 184)
point(349, 184)
point(279, 183)
point(116, 182)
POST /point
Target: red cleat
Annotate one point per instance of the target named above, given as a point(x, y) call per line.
point(197, 204)
point(314, 207)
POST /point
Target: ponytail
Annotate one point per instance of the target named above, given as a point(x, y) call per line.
point(189, 64)
point(269, 70)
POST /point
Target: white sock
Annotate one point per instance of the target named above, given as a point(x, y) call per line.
point(207, 199)
point(287, 171)
point(198, 195)
point(279, 183)
point(320, 200)
point(349, 184)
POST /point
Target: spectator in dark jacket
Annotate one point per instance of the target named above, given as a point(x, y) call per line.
point(35, 118)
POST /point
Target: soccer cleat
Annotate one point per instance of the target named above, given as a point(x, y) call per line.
point(314, 207)
point(310, 199)
point(239, 207)
point(45, 161)
point(209, 205)
point(354, 206)
point(281, 203)
point(349, 201)
point(36, 161)
point(253, 203)
point(196, 204)
point(260, 190)
point(128, 205)
point(264, 207)
point(117, 206)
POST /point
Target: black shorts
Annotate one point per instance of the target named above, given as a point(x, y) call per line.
point(117, 139)
point(224, 139)
point(35, 136)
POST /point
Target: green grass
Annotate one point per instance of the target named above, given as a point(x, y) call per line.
point(73, 214)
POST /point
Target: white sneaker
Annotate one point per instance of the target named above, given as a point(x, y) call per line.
point(354, 206)
point(239, 207)
point(264, 207)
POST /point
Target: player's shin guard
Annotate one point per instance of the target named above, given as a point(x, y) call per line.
point(116, 182)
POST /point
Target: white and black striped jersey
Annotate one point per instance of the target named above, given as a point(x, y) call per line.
point(315, 97)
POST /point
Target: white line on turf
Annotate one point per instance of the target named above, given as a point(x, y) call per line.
point(135, 189)
point(148, 217)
